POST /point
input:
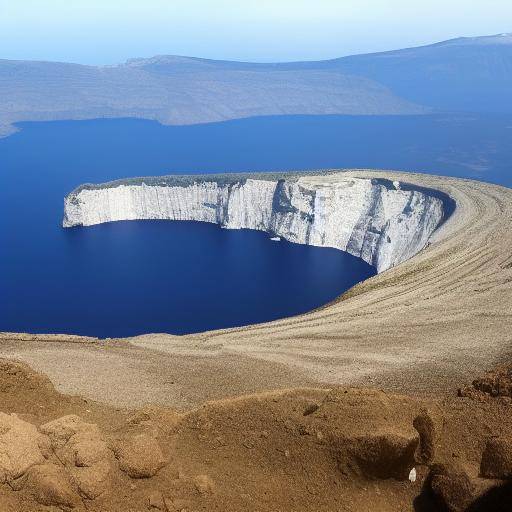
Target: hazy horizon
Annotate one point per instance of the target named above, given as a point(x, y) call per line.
point(97, 33)
point(253, 61)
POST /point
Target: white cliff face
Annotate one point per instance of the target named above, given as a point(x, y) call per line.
point(380, 222)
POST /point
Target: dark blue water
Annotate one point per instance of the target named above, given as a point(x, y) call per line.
point(133, 277)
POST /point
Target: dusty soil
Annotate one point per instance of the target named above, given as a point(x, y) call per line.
point(344, 449)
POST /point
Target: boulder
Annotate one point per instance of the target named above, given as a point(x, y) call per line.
point(497, 459)
point(92, 481)
point(84, 448)
point(139, 456)
point(21, 447)
point(370, 432)
point(62, 429)
point(50, 485)
point(451, 486)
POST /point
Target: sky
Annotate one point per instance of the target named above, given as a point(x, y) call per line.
point(111, 31)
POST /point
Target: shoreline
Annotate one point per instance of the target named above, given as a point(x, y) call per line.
point(443, 312)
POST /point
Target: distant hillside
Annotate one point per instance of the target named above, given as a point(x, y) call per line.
point(469, 74)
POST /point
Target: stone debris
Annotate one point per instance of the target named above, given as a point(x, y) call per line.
point(369, 439)
point(139, 456)
point(493, 384)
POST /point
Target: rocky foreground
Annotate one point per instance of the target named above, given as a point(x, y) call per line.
point(343, 449)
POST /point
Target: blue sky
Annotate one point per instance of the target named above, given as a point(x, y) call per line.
point(110, 31)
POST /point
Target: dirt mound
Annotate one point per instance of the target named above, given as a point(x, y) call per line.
point(19, 382)
point(298, 450)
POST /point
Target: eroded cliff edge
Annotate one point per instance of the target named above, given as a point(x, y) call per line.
point(380, 221)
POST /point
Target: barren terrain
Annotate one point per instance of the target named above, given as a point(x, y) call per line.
point(344, 449)
point(425, 327)
point(144, 433)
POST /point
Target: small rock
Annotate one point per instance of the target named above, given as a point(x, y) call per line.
point(204, 484)
point(140, 456)
point(452, 487)
point(138, 417)
point(497, 459)
point(156, 501)
point(412, 475)
point(50, 485)
point(310, 409)
point(169, 504)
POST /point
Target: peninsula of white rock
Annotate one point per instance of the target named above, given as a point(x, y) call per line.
point(381, 221)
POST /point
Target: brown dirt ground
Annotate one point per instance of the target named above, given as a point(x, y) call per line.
point(296, 450)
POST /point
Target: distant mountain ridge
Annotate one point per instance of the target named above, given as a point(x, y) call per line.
point(464, 74)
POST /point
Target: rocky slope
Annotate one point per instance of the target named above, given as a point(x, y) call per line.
point(382, 222)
